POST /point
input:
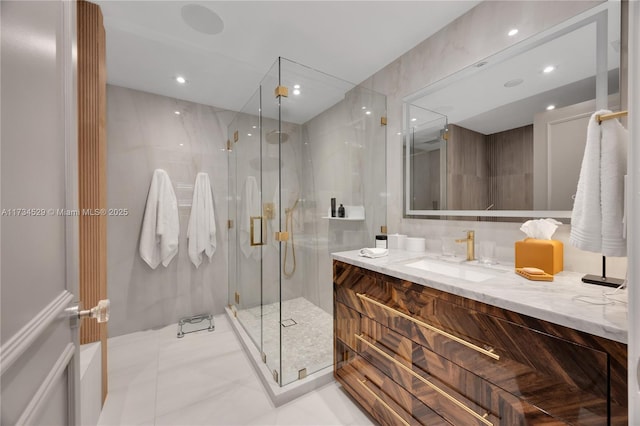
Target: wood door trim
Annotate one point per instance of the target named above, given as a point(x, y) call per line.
point(92, 171)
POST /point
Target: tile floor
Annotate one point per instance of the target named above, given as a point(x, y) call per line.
point(205, 379)
point(308, 344)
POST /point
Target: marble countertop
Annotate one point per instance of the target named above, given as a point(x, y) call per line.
point(565, 301)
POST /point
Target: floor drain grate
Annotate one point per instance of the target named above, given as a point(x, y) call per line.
point(288, 322)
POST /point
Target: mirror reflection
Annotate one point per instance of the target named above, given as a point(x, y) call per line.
point(505, 137)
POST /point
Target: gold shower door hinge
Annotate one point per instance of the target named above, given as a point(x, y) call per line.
point(228, 145)
point(383, 229)
point(282, 236)
point(237, 297)
point(282, 91)
point(445, 136)
point(275, 376)
point(302, 373)
point(264, 357)
point(236, 136)
point(229, 224)
point(383, 121)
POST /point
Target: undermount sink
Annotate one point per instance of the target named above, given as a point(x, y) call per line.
point(451, 270)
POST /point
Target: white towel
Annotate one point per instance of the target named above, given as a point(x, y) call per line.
point(160, 225)
point(597, 217)
point(374, 252)
point(250, 208)
point(201, 231)
point(615, 139)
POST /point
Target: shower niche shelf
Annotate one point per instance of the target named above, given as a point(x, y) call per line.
point(352, 213)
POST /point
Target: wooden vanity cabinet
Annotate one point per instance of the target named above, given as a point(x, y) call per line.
point(406, 351)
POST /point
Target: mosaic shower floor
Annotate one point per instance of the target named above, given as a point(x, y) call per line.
point(307, 336)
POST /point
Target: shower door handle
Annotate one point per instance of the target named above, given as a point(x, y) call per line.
point(262, 232)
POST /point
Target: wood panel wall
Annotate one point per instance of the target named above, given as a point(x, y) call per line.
point(467, 170)
point(92, 159)
point(490, 170)
point(510, 156)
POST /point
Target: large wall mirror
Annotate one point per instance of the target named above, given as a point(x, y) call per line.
point(504, 138)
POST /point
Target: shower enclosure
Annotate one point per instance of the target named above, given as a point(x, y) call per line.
point(303, 138)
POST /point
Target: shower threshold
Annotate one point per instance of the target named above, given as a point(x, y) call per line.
point(278, 394)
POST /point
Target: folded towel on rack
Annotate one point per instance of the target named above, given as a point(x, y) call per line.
point(598, 209)
point(160, 225)
point(201, 231)
point(373, 252)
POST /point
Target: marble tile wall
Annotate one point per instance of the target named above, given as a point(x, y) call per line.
point(474, 36)
point(343, 158)
point(144, 133)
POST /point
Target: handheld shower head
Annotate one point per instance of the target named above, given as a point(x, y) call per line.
point(293, 207)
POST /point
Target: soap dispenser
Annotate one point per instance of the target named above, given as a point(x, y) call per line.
point(341, 212)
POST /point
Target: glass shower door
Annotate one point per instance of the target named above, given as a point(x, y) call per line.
point(272, 208)
point(249, 232)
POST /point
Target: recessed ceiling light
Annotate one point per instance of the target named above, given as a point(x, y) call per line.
point(512, 32)
point(202, 19)
point(368, 112)
point(513, 83)
point(414, 119)
point(550, 107)
point(248, 134)
point(180, 79)
point(176, 112)
point(548, 69)
point(399, 133)
point(181, 144)
point(296, 86)
point(253, 127)
point(296, 91)
point(364, 107)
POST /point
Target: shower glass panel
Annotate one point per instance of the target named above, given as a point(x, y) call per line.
point(271, 165)
point(319, 138)
point(245, 236)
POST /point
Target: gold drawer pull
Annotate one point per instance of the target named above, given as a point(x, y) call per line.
point(391, 410)
point(481, 418)
point(490, 353)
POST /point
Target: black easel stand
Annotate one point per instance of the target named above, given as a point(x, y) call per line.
point(603, 280)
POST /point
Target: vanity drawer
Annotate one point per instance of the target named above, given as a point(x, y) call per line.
point(350, 280)
point(346, 324)
point(453, 392)
point(384, 399)
point(565, 379)
point(518, 347)
point(524, 370)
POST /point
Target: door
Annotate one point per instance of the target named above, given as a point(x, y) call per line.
point(39, 344)
point(558, 147)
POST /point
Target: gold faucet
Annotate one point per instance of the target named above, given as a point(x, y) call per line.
point(470, 240)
